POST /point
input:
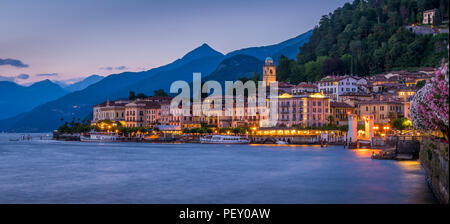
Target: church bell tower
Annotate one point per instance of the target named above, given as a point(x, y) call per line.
point(269, 71)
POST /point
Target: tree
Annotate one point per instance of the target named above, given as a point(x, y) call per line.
point(429, 108)
point(333, 66)
point(131, 95)
point(159, 92)
point(419, 17)
point(283, 68)
point(437, 18)
point(141, 96)
point(421, 84)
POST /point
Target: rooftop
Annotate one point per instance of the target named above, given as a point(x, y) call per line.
point(339, 104)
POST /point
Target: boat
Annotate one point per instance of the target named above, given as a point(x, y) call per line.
point(223, 139)
point(14, 139)
point(100, 138)
point(279, 142)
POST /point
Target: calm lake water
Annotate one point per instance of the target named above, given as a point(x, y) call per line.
point(47, 171)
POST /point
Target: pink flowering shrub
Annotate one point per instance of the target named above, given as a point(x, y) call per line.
point(429, 109)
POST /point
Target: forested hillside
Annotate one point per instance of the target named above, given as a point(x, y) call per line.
point(369, 37)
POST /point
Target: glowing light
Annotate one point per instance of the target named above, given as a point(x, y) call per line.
point(317, 95)
point(285, 95)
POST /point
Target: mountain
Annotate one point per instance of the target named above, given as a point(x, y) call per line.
point(204, 59)
point(235, 67)
point(77, 86)
point(15, 99)
point(289, 48)
point(79, 104)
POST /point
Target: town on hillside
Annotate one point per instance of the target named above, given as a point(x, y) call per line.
point(322, 105)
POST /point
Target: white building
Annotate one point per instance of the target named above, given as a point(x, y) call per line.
point(333, 86)
point(304, 88)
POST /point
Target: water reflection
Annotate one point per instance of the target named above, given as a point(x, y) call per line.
point(364, 153)
point(74, 172)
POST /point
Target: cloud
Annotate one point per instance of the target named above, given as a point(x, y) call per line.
point(23, 76)
point(47, 74)
point(14, 78)
point(109, 68)
point(121, 67)
point(13, 62)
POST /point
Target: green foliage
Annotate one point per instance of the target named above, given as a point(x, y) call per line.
point(159, 92)
point(201, 130)
point(131, 95)
point(421, 84)
point(75, 127)
point(366, 38)
point(236, 131)
point(401, 123)
point(127, 131)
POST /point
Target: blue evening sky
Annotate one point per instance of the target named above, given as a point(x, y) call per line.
point(73, 39)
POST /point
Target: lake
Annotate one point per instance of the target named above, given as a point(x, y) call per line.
point(48, 171)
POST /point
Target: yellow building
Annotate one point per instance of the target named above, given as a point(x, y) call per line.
point(340, 111)
point(304, 110)
point(109, 110)
point(383, 110)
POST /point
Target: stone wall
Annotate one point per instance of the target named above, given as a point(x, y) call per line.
point(434, 159)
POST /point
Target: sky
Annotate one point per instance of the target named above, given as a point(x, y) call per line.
point(68, 40)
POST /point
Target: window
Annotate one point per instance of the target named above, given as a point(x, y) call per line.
point(319, 103)
point(367, 108)
point(381, 108)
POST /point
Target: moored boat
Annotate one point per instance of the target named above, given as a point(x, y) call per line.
point(279, 142)
point(223, 139)
point(100, 138)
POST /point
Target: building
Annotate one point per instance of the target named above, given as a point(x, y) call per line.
point(303, 110)
point(304, 87)
point(167, 118)
point(405, 93)
point(334, 86)
point(109, 110)
point(269, 71)
point(340, 111)
point(351, 98)
point(428, 16)
point(383, 110)
point(142, 113)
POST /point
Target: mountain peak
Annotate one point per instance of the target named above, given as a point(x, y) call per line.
point(45, 83)
point(202, 51)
